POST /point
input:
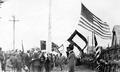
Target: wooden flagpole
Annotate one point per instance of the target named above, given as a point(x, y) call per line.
point(49, 43)
point(92, 39)
point(88, 43)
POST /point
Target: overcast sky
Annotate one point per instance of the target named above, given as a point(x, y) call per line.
point(33, 20)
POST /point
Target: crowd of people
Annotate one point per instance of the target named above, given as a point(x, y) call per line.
point(109, 60)
point(35, 60)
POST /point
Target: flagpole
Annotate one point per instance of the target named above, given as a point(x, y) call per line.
point(108, 45)
point(119, 42)
point(22, 46)
point(92, 38)
point(49, 45)
point(40, 45)
point(88, 40)
point(88, 43)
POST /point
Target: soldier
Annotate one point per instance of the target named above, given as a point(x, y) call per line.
point(2, 59)
point(71, 58)
point(42, 62)
point(47, 64)
point(59, 61)
point(1, 55)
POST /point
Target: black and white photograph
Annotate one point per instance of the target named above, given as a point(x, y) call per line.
point(59, 35)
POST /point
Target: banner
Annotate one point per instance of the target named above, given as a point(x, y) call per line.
point(77, 39)
point(43, 45)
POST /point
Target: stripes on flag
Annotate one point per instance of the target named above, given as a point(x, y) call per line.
point(98, 51)
point(94, 27)
point(92, 23)
point(98, 54)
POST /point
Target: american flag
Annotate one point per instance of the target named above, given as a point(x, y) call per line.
point(94, 24)
point(55, 47)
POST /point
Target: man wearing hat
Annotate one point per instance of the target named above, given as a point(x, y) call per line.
point(71, 58)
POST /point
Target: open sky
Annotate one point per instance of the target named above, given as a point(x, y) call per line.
point(33, 20)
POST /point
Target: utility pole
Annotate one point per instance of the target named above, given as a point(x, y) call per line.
point(14, 21)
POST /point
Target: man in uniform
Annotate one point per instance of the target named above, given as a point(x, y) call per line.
point(2, 57)
point(71, 58)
